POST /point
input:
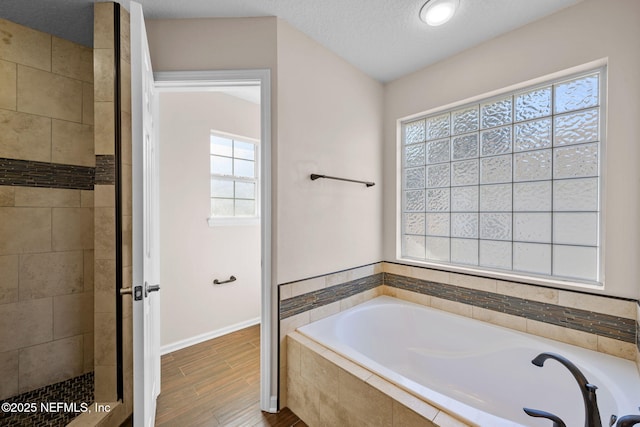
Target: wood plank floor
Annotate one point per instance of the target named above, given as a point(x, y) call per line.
point(217, 383)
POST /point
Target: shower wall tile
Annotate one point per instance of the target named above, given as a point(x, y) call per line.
point(104, 123)
point(51, 362)
point(72, 315)
point(104, 285)
point(87, 104)
point(87, 342)
point(86, 198)
point(25, 230)
point(500, 319)
point(72, 228)
point(104, 75)
point(7, 196)
point(25, 136)
point(104, 196)
point(48, 94)
point(9, 374)
point(105, 347)
point(125, 85)
point(105, 233)
point(452, 306)
point(88, 271)
point(72, 143)
point(25, 46)
point(566, 335)
point(103, 30)
point(26, 323)
point(46, 197)
point(8, 77)
point(9, 266)
point(617, 348)
point(71, 59)
point(125, 35)
point(51, 273)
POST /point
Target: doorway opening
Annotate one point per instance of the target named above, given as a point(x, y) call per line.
point(226, 234)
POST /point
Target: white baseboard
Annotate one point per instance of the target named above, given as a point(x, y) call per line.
point(169, 348)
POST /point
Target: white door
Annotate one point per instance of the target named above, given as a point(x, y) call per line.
point(146, 245)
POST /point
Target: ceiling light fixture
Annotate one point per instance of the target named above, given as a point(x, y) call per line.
point(437, 12)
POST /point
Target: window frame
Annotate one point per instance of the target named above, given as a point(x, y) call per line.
point(599, 67)
point(214, 221)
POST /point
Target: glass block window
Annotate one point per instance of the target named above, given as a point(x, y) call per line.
point(234, 177)
point(509, 183)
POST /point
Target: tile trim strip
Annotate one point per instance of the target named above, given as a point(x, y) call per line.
point(28, 173)
point(105, 170)
point(615, 327)
point(605, 325)
point(301, 303)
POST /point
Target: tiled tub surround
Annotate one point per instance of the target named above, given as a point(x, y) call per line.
point(46, 210)
point(595, 322)
point(327, 389)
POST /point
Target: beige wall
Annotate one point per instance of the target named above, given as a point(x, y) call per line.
point(329, 122)
point(590, 31)
point(194, 254)
point(46, 234)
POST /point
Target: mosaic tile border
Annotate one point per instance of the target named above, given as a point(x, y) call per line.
point(301, 303)
point(28, 173)
point(605, 325)
point(76, 390)
point(105, 170)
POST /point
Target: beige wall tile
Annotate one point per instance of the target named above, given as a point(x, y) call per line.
point(125, 125)
point(599, 304)
point(317, 370)
point(88, 266)
point(104, 128)
point(566, 335)
point(86, 198)
point(72, 143)
point(52, 273)
point(105, 233)
point(49, 95)
point(87, 103)
point(352, 301)
point(285, 290)
point(105, 381)
point(414, 297)
point(291, 323)
point(25, 136)
point(104, 286)
point(365, 401)
point(50, 363)
point(25, 46)
point(87, 342)
point(103, 25)
point(305, 286)
point(72, 315)
point(71, 59)
point(430, 275)
point(9, 374)
point(25, 323)
point(72, 228)
point(530, 292)
point(9, 267)
point(127, 242)
point(7, 196)
point(399, 269)
point(625, 350)
point(46, 197)
point(104, 196)
point(105, 344)
point(125, 86)
point(452, 306)
point(103, 75)
point(324, 311)
point(125, 35)
point(25, 230)
point(303, 398)
point(500, 319)
point(338, 278)
point(403, 417)
point(8, 88)
point(473, 282)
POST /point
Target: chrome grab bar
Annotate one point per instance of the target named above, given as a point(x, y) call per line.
point(231, 279)
point(315, 176)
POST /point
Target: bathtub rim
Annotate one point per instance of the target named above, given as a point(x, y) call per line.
point(458, 410)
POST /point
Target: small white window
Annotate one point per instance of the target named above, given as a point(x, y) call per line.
point(234, 178)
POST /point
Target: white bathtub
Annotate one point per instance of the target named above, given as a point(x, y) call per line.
point(476, 371)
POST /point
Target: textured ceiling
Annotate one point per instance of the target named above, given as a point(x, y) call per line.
point(383, 38)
